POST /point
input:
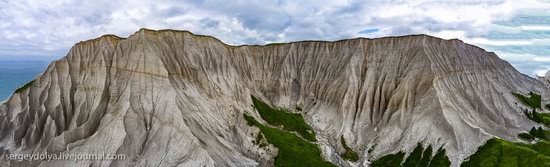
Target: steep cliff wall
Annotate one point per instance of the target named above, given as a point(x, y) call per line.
point(174, 98)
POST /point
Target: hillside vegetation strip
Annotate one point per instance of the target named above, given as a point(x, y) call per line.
point(293, 150)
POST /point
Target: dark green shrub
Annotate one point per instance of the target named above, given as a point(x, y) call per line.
point(539, 133)
point(526, 136)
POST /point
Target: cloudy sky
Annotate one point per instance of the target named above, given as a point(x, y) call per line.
point(517, 30)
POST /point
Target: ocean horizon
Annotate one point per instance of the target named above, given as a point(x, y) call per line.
point(16, 73)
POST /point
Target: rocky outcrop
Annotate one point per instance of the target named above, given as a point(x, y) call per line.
point(174, 98)
point(546, 95)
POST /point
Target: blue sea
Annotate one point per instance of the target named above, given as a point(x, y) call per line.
point(14, 74)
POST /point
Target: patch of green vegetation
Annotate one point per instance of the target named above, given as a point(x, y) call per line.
point(281, 117)
point(498, 152)
point(24, 87)
point(540, 133)
point(293, 150)
point(419, 157)
point(440, 159)
point(535, 133)
point(349, 155)
point(542, 118)
point(547, 106)
point(545, 118)
point(415, 158)
point(542, 147)
point(392, 160)
point(274, 44)
point(534, 100)
point(426, 156)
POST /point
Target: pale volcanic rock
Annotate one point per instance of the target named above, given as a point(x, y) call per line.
point(546, 95)
point(172, 98)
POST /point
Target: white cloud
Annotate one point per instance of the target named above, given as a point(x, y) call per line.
point(543, 59)
point(541, 71)
point(49, 28)
point(485, 41)
point(539, 28)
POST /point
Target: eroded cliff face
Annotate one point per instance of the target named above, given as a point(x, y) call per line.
point(546, 95)
point(174, 98)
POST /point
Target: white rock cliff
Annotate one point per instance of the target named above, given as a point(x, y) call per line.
point(172, 98)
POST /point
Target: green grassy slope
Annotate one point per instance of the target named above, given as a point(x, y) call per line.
point(534, 100)
point(293, 150)
point(281, 117)
point(498, 152)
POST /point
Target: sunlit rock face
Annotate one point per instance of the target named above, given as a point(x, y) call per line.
point(546, 95)
point(174, 98)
